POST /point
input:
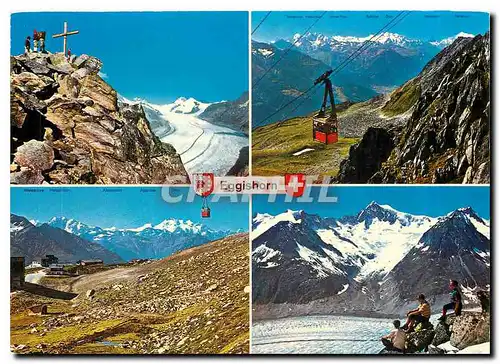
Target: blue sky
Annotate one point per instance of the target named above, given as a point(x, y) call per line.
point(419, 200)
point(158, 56)
point(129, 208)
point(424, 25)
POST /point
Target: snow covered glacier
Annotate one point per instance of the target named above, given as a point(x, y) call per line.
point(202, 146)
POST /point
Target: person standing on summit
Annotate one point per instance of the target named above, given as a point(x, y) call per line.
point(35, 41)
point(27, 45)
point(455, 301)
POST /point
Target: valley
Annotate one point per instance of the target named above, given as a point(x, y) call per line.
point(195, 301)
point(367, 264)
point(431, 129)
point(203, 146)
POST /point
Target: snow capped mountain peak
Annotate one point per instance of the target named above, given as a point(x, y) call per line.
point(141, 228)
point(447, 41)
point(173, 225)
point(263, 222)
point(318, 40)
point(185, 105)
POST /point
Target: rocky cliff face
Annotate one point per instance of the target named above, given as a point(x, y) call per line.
point(67, 128)
point(446, 139)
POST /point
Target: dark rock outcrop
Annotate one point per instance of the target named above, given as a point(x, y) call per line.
point(446, 138)
point(366, 157)
point(443, 331)
point(240, 168)
point(67, 128)
point(419, 340)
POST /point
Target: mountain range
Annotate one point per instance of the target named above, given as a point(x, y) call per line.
point(378, 260)
point(147, 241)
point(390, 60)
point(36, 241)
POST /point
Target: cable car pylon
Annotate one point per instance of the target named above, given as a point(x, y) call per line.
point(325, 127)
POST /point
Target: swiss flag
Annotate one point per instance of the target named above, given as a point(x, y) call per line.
point(295, 184)
point(203, 183)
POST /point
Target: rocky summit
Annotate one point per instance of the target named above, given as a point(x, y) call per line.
point(446, 136)
point(67, 128)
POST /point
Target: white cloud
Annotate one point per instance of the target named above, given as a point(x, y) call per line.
point(103, 75)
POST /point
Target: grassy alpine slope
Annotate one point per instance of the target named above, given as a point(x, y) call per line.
point(273, 145)
point(195, 301)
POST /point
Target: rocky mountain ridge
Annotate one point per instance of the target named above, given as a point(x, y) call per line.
point(446, 138)
point(68, 128)
point(232, 114)
point(34, 242)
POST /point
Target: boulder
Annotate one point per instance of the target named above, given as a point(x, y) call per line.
point(26, 176)
point(443, 331)
point(38, 66)
point(434, 350)
point(419, 340)
point(36, 155)
point(64, 69)
point(38, 84)
point(90, 293)
point(470, 328)
point(99, 91)
point(91, 63)
point(81, 73)
point(80, 60)
point(26, 100)
point(68, 86)
point(64, 112)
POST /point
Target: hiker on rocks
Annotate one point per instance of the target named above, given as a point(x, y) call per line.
point(484, 300)
point(395, 340)
point(35, 41)
point(42, 41)
point(68, 56)
point(419, 315)
point(455, 301)
point(27, 45)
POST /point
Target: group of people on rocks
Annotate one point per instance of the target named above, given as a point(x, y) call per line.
point(395, 340)
point(38, 42)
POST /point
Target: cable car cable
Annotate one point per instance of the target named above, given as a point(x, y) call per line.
point(262, 21)
point(287, 50)
point(339, 67)
point(348, 60)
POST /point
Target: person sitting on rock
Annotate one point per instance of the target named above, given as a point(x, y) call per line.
point(27, 45)
point(396, 339)
point(419, 315)
point(455, 301)
point(484, 300)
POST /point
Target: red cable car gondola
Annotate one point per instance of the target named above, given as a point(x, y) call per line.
point(204, 186)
